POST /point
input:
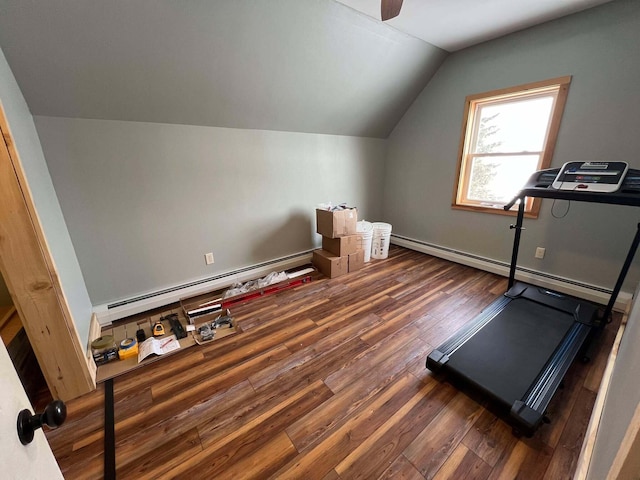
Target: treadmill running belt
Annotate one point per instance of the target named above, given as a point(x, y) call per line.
point(508, 353)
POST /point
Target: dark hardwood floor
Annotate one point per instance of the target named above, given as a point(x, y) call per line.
point(328, 381)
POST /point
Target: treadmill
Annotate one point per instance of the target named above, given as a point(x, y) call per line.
point(518, 349)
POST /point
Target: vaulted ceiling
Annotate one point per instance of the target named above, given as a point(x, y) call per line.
point(456, 24)
point(303, 66)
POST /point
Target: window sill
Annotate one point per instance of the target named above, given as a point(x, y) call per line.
point(493, 210)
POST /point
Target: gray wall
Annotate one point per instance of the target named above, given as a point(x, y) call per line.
point(145, 201)
point(44, 197)
point(600, 48)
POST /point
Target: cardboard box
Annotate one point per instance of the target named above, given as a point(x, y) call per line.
point(341, 246)
point(330, 265)
point(336, 224)
point(356, 260)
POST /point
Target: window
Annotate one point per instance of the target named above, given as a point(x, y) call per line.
point(506, 136)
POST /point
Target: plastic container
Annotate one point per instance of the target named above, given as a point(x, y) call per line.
point(381, 239)
point(365, 230)
point(104, 349)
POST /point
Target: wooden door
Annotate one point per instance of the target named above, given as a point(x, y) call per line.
point(29, 272)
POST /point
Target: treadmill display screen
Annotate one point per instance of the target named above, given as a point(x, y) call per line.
point(591, 176)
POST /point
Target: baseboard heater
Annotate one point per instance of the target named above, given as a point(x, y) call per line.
point(206, 280)
point(113, 311)
point(569, 286)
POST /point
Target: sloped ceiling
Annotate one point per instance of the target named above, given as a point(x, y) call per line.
point(290, 65)
point(315, 66)
point(456, 24)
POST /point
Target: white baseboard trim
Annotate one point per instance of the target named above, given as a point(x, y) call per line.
point(570, 287)
point(110, 312)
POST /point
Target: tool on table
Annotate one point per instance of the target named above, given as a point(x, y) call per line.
point(128, 348)
point(158, 329)
point(223, 320)
point(140, 335)
point(104, 349)
point(176, 326)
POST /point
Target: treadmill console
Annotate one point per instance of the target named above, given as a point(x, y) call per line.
point(603, 177)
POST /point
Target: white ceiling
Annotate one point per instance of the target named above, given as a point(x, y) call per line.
point(312, 66)
point(456, 24)
point(315, 66)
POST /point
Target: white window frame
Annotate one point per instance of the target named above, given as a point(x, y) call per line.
point(557, 87)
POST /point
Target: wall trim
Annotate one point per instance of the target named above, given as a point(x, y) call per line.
point(110, 312)
point(569, 286)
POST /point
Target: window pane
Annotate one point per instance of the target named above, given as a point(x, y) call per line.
point(498, 179)
point(517, 126)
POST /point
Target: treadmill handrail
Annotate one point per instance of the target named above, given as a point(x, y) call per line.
point(538, 186)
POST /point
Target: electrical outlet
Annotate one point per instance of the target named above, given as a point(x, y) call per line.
point(208, 258)
point(540, 252)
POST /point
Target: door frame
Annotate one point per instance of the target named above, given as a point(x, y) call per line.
point(32, 279)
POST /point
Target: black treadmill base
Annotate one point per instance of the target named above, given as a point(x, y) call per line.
point(517, 351)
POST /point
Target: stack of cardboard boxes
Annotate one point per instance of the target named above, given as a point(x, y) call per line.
point(341, 247)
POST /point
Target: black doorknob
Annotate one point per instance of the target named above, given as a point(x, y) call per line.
point(53, 416)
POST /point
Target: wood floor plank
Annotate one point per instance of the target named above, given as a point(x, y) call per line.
point(145, 432)
point(428, 272)
point(527, 460)
point(317, 368)
point(289, 408)
point(318, 460)
point(400, 320)
point(291, 311)
point(84, 418)
point(252, 434)
point(321, 348)
point(356, 310)
point(395, 346)
point(373, 455)
point(565, 456)
point(418, 367)
point(257, 464)
point(463, 463)
point(240, 408)
point(459, 311)
point(131, 402)
point(332, 475)
point(333, 413)
point(432, 447)
point(155, 372)
point(237, 349)
point(312, 336)
point(489, 438)
point(208, 382)
point(401, 469)
point(172, 454)
point(413, 297)
point(328, 381)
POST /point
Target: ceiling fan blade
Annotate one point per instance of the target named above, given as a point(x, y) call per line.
point(390, 9)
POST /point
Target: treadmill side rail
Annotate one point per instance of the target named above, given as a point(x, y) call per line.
point(530, 410)
point(540, 393)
